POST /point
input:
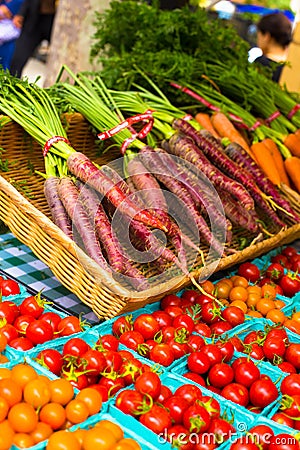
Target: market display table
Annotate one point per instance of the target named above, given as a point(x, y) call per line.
point(18, 261)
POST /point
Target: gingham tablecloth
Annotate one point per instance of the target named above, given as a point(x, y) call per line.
point(18, 261)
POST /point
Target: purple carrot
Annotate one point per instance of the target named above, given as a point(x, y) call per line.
point(103, 228)
point(57, 209)
point(153, 245)
point(142, 232)
point(190, 146)
point(83, 168)
point(158, 261)
point(154, 198)
point(142, 195)
point(238, 215)
point(241, 157)
point(115, 255)
point(155, 167)
point(138, 243)
point(185, 148)
point(198, 189)
point(69, 196)
point(148, 185)
point(116, 178)
point(132, 187)
point(213, 150)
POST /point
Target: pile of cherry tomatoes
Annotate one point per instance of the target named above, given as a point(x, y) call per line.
point(95, 362)
point(272, 344)
point(182, 415)
point(32, 406)
point(254, 300)
point(238, 379)
point(174, 330)
point(288, 412)
point(262, 292)
point(31, 323)
point(104, 434)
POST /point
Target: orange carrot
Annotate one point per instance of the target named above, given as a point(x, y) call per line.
point(205, 122)
point(292, 166)
point(292, 142)
point(225, 128)
point(279, 161)
point(266, 162)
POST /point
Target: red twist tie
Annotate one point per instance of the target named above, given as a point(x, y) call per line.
point(196, 96)
point(148, 115)
point(54, 140)
point(187, 117)
point(126, 143)
point(293, 111)
point(238, 121)
point(146, 129)
point(272, 117)
point(255, 125)
point(142, 134)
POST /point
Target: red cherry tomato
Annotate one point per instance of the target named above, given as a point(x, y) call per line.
point(39, 332)
point(9, 287)
point(122, 324)
point(147, 325)
point(289, 251)
point(263, 392)
point(162, 354)
point(51, 359)
point(8, 312)
point(148, 383)
point(52, 318)
point(198, 362)
point(75, 346)
point(157, 419)
point(69, 325)
point(249, 271)
point(33, 306)
point(21, 343)
point(234, 315)
point(21, 323)
point(170, 300)
point(129, 401)
point(176, 406)
point(237, 393)
point(290, 285)
point(275, 271)
point(190, 392)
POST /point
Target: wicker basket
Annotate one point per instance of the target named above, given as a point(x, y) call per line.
point(23, 208)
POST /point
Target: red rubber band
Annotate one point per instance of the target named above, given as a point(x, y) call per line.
point(54, 140)
point(148, 115)
point(272, 117)
point(255, 125)
point(196, 96)
point(187, 117)
point(293, 111)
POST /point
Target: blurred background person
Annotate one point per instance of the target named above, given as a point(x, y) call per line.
point(274, 34)
point(36, 18)
point(8, 9)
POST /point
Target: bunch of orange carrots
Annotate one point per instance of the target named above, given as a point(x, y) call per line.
point(280, 161)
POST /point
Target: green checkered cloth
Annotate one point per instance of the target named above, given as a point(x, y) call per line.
point(18, 261)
